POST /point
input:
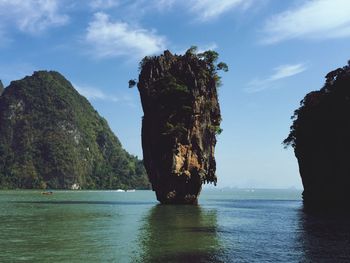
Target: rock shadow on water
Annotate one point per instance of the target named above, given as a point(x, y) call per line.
point(325, 236)
point(179, 233)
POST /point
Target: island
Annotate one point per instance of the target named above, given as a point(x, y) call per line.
point(181, 120)
point(51, 137)
point(320, 136)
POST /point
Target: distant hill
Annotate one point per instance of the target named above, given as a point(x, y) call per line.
point(51, 137)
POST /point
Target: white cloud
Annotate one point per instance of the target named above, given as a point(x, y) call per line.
point(139, 6)
point(32, 16)
point(201, 10)
point(94, 94)
point(280, 72)
point(208, 9)
point(111, 39)
point(285, 71)
point(314, 19)
point(104, 4)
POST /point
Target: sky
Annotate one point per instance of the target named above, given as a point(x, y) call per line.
point(277, 52)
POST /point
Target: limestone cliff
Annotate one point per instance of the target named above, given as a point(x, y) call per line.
point(180, 123)
point(320, 136)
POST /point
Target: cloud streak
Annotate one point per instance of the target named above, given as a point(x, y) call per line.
point(280, 72)
point(203, 10)
point(113, 39)
point(32, 16)
point(314, 19)
point(286, 71)
point(104, 4)
point(207, 9)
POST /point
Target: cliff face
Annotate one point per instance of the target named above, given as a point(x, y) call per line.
point(180, 123)
point(50, 136)
point(1, 87)
point(320, 135)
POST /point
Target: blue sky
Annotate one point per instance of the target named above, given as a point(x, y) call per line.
point(277, 51)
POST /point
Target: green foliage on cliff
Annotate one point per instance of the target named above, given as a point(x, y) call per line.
point(132, 83)
point(216, 129)
point(210, 57)
point(50, 136)
point(173, 104)
point(174, 99)
point(323, 115)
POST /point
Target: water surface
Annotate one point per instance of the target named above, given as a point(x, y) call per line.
point(107, 226)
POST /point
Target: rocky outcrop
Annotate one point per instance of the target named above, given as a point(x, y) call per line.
point(320, 136)
point(180, 123)
point(1, 87)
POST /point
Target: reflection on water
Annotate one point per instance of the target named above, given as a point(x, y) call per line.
point(179, 234)
point(114, 227)
point(325, 238)
point(243, 231)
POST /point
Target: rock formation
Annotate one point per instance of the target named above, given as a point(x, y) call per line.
point(320, 136)
point(1, 87)
point(180, 123)
point(50, 136)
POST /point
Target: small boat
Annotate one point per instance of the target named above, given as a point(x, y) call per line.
point(47, 193)
point(131, 190)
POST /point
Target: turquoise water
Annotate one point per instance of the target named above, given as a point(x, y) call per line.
point(227, 226)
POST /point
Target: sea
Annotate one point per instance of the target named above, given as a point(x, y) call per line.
point(228, 225)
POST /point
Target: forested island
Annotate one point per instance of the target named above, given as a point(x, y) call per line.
point(181, 121)
point(51, 137)
point(320, 136)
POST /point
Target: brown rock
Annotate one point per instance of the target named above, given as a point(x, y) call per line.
point(180, 123)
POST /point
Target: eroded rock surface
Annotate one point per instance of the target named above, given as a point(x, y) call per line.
point(180, 123)
point(320, 136)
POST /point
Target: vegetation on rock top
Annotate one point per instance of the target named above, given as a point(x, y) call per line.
point(323, 111)
point(174, 99)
